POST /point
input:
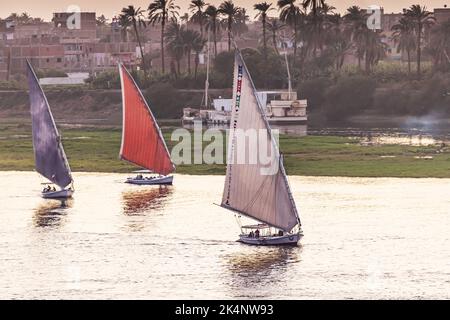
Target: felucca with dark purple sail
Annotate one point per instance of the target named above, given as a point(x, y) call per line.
point(250, 190)
point(50, 158)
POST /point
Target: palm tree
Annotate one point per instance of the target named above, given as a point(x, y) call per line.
point(14, 16)
point(315, 23)
point(185, 18)
point(197, 46)
point(375, 49)
point(25, 18)
point(356, 28)
point(439, 46)
point(160, 11)
point(190, 40)
point(212, 13)
point(314, 5)
point(101, 21)
point(228, 9)
point(421, 19)
point(198, 16)
point(274, 27)
point(290, 14)
point(175, 43)
point(124, 24)
point(403, 37)
point(135, 17)
point(336, 39)
point(240, 25)
point(262, 9)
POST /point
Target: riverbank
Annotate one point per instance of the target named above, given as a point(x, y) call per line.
point(96, 150)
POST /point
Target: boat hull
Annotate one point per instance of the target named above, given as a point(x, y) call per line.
point(288, 120)
point(62, 194)
point(166, 180)
point(287, 240)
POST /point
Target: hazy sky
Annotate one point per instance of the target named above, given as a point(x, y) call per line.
point(45, 8)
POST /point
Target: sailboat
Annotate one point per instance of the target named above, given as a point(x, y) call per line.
point(50, 158)
point(248, 192)
point(142, 141)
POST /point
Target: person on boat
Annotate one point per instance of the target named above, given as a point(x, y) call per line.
point(139, 177)
point(251, 234)
point(280, 233)
point(54, 189)
point(257, 233)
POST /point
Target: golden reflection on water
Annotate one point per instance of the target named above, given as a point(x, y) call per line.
point(251, 271)
point(364, 238)
point(141, 201)
point(51, 213)
point(406, 140)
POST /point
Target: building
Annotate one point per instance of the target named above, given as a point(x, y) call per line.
point(65, 30)
point(7, 28)
point(441, 15)
point(4, 63)
point(42, 57)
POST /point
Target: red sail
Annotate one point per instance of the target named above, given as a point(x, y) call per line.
point(142, 142)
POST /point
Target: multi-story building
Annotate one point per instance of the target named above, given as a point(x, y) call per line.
point(48, 56)
point(442, 15)
point(7, 28)
point(4, 63)
point(65, 29)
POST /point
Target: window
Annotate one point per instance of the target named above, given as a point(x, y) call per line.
point(48, 60)
point(58, 60)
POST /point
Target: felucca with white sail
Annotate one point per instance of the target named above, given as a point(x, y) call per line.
point(250, 189)
point(142, 141)
point(50, 158)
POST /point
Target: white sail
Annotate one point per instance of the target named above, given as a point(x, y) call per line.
point(264, 197)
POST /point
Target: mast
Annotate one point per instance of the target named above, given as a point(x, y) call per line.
point(289, 75)
point(50, 158)
point(267, 198)
point(207, 73)
point(142, 141)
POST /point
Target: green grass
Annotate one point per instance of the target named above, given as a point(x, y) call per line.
point(96, 150)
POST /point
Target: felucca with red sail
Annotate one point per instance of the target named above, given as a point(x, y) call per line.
point(142, 141)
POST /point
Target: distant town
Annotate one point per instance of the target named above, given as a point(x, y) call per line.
point(331, 55)
point(99, 43)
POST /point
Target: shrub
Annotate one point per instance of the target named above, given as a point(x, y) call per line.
point(164, 100)
point(314, 91)
point(50, 73)
point(348, 97)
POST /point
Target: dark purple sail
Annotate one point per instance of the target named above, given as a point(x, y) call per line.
point(50, 159)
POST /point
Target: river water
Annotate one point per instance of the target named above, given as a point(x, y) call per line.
point(364, 238)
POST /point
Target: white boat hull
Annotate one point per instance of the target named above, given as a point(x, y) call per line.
point(288, 120)
point(290, 239)
point(62, 194)
point(166, 180)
